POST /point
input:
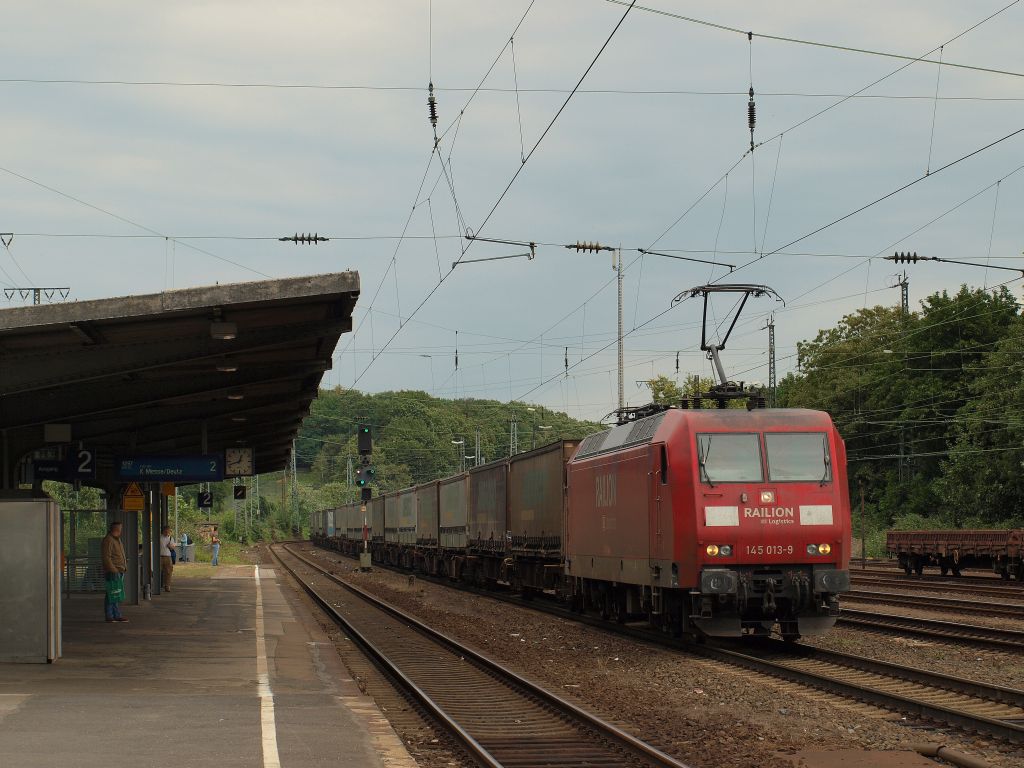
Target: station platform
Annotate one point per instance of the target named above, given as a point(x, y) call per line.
point(229, 669)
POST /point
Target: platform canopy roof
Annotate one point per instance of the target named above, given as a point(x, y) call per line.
point(153, 374)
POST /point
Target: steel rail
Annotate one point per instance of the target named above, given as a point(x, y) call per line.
point(468, 742)
point(998, 589)
point(934, 603)
point(1003, 639)
point(882, 569)
point(889, 700)
point(995, 693)
point(625, 740)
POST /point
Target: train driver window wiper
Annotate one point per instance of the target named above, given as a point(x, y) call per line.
point(701, 452)
point(828, 462)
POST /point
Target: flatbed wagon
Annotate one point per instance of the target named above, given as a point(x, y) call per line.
point(953, 551)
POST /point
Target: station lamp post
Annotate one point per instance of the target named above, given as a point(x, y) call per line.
point(430, 358)
point(539, 426)
point(462, 458)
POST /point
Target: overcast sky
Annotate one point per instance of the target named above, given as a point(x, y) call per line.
point(115, 189)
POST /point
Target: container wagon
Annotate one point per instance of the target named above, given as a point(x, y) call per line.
point(427, 558)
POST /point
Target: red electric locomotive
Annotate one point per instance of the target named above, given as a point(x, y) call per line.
point(719, 521)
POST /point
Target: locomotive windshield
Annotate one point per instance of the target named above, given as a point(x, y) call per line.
point(729, 458)
point(798, 456)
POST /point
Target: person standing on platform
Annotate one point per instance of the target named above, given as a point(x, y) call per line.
point(215, 546)
point(167, 545)
point(115, 566)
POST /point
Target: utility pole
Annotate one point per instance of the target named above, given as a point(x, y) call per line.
point(513, 436)
point(295, 489)
point(863, 532)
point(476, 458)
point(902, 458)
point(904, 283)
point(772, 382)
point(617, 266)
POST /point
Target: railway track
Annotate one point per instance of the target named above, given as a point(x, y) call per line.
point(972, 607)
point(999, 589)
point(1002, 639)
point(985, 577)
point(965, 704)
point(499, 717)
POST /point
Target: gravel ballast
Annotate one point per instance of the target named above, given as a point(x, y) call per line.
point(704, 712)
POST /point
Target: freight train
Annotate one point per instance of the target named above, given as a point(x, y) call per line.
point(1002, 551)
point(720, 522)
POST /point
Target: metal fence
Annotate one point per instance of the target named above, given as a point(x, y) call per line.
point(84, 529)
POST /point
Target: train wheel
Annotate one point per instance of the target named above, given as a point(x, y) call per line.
point(789, 631)
point(620, 609)
point(943, 570)
point(1005, 574)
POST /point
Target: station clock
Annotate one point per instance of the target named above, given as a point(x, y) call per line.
point(238, 462)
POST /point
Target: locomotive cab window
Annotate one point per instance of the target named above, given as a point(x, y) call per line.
point(798, 456)
point(729, 458)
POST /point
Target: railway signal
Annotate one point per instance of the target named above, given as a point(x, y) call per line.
point(365, 440)
point(364, 474)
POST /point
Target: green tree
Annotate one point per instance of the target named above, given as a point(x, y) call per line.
point(896, 385)
point(665, 391)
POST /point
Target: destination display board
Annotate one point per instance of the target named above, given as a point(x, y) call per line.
point(79, 464)
point(196, 468)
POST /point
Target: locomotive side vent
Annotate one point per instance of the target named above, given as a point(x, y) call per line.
point(623, 436)
point(644, 429)
point(592, 444)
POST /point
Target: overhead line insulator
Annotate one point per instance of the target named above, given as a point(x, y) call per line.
point(751, 117)
point(304, 238)
point(906, 258)
point(432, 107)
point(589, 247)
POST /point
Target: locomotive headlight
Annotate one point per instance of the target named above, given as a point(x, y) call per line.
point(725, 550)
point(824, 549)
point(712, 549)
point(812, 549)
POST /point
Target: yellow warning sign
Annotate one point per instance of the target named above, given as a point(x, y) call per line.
point(133, 500)
point(167, 489)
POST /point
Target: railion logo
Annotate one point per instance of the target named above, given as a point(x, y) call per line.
point(768, 512)
point(604, 490)
point(771, 515)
